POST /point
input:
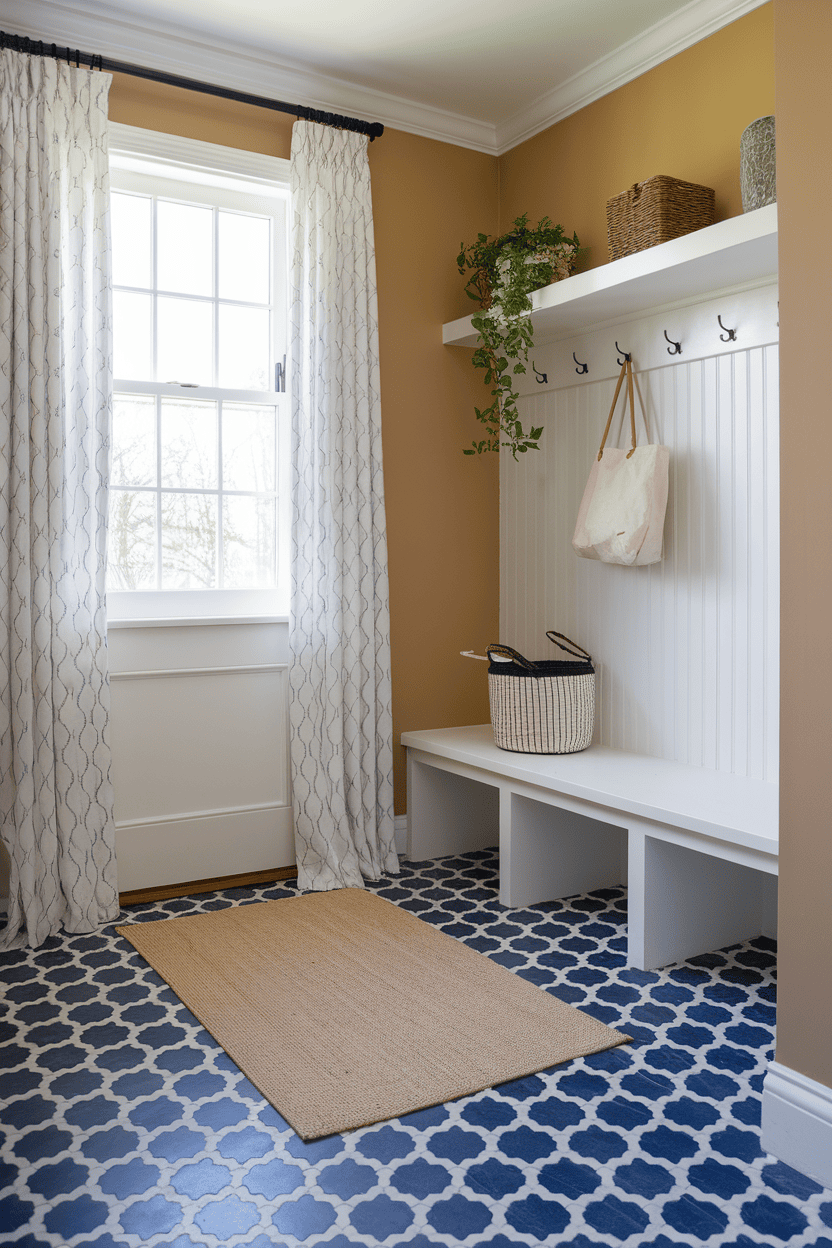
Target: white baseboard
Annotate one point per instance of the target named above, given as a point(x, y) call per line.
point(201, 845)
point(137, 871)
point(400, 833)
point(797, 1122)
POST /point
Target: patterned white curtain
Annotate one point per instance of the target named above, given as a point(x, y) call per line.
point(339, 675)
point(56, 802)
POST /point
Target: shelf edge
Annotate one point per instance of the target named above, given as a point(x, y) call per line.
point(742, 234)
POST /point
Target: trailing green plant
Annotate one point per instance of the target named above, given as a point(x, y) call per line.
point(502, 274)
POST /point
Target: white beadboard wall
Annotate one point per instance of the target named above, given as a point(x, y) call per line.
point(686, 650)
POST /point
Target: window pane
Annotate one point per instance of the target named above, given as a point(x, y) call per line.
point(132, 355)
point(184, 341)
point(195, 502)
point(189, 541)
point(184, 248)
point(244, 258)
point(248, 447)
point(249, 540)
point(244, 348)
point(130, 221)
point(134, 440)
point(131, 541)
point(189, 444)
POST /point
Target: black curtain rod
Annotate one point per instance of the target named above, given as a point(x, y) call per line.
point(21, 43)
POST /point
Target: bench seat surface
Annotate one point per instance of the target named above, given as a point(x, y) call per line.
point(731, 808)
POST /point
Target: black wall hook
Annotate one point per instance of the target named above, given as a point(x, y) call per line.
point(626, 354)
point(540, 378)
point(730, 335)
point(582, 368)
point(675, 348)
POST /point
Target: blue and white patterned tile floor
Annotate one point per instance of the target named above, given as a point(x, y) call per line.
point(125, 1124)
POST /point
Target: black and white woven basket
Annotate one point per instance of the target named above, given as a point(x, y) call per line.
point(545, 707)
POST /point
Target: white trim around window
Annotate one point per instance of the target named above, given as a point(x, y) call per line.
point(194, 163)
point(170, 155)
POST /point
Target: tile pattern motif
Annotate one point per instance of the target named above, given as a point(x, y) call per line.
point(124, 1124)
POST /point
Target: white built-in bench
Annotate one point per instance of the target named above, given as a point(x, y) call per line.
point(697, 848)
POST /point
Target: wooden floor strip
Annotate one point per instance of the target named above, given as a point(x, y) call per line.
point(189, 888)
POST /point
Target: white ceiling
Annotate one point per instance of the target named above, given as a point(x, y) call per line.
point(485, 60)
point(485, 74)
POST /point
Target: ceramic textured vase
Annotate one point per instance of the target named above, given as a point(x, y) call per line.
point(758, 169)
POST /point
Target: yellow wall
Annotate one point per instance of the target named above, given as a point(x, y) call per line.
point(683, 119)
point(442, 507)
point(152, 106)
point(804, 191)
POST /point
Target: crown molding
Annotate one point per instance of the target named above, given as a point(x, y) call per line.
point(659, 43)
point(176, 50)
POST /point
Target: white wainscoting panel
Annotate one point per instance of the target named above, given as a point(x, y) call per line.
point(199, 732)
point(205, 740)
point(153, 644)
point(687, 649)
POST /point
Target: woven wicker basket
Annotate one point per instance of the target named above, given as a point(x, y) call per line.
point(654, 211)
point(544, 707)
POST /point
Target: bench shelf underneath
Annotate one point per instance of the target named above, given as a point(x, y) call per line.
point(696, 848)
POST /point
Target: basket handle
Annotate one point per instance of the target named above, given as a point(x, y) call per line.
point(505, 654)
point(552, 635)
point(499, 654)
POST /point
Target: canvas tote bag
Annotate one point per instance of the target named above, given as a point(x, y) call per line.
point(621, 516)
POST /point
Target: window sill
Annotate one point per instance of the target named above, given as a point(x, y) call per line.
point(191, 621)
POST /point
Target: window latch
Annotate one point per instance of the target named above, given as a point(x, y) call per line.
point(280, 376)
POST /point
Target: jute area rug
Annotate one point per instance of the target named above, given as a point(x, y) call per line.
point(343, 1009)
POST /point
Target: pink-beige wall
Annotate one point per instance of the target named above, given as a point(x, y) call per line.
point(803, 39)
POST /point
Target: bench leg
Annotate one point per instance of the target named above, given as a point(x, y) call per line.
point(547, 852)
point(446, 813)
point(683, 903)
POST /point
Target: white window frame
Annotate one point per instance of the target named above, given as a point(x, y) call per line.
point(189, 162)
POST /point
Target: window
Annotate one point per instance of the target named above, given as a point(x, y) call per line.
point(198, 495)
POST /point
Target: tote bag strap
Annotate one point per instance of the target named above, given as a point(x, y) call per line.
point(627, 368)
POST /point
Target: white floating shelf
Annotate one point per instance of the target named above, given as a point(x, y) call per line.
point(740, 252)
